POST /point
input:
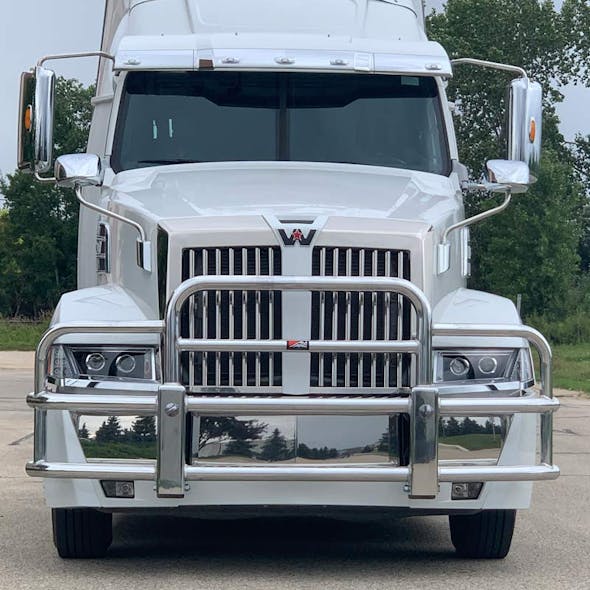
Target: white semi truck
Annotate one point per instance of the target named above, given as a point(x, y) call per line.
point(272, 313)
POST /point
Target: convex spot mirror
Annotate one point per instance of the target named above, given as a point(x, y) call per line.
point(504, 175)
point(78, 170)
point(35, 138)
point(525, 124)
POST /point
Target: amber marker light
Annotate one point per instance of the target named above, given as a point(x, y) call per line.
point(28, 118)
point(533, 131)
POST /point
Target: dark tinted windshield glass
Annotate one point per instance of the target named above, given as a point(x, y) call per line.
point(376, 120)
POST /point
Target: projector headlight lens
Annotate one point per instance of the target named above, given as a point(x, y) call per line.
point(472, 365)
point(104, 362)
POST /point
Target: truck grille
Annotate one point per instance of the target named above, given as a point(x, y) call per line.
point(360, 316)
point(232, 314)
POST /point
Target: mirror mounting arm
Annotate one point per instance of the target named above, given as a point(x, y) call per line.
point(75, 55)
point(444, 248)
point(144, 257)
point(482, 63)
point(42, 179)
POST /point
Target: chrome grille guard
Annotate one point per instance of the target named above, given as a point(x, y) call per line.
point(170, 403)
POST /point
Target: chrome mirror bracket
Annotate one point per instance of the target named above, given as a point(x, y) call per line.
point(444, 248)
point(79, 170)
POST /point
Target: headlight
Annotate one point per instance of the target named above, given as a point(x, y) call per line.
point(484, 365)
point(103, 362)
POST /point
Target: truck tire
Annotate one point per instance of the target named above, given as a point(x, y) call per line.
point(81, 532)
point(485, 535)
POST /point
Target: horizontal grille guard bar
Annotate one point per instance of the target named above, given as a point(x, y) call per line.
point(147, 472)
point(366, 346)
point(289, 405)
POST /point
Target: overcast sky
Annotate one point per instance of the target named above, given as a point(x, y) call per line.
point(38, 27)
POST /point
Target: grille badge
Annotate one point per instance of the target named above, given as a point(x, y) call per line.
point(297, 344)
point(297, 237)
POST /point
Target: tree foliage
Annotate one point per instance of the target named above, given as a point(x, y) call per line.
point(533, 248)
point(39, 226)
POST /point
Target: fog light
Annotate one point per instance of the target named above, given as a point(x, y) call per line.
point(466, 491)
point(118, 489)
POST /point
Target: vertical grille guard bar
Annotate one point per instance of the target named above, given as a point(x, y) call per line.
point(171, 369)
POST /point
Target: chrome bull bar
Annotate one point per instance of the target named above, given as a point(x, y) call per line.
point(171, 405)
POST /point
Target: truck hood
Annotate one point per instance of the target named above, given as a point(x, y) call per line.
point(284, 189)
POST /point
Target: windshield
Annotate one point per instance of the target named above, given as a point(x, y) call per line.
point(376, 120)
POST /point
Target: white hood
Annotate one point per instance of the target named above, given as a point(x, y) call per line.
point(285, 188)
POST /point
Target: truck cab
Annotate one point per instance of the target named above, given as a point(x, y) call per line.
point(272, 312)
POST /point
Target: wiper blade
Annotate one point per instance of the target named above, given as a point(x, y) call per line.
point(175, 161)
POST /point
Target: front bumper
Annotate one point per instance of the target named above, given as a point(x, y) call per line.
point(170, 404)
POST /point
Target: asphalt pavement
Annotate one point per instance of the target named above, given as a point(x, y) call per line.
point(551, 547)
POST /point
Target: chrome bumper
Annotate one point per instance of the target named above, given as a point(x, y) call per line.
point(170, 403)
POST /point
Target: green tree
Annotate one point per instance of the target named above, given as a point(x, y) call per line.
point(144, 429)
point(83, 432)
point(239, 448)
point(109, 431)
point(221, 428)
point(39, 226)
point(533, 248)
point(275, 448)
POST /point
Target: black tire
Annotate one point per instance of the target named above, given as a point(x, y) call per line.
point(81, 533)
point(485, 535)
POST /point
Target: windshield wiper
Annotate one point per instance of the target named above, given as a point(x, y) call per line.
point(174, 161)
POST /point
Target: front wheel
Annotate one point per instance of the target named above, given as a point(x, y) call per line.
point(81, 532)
point(485, 535)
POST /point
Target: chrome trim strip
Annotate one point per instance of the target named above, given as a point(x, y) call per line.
point(131, 405)
point(143, 472)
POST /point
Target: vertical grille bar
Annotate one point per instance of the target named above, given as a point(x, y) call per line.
point(232, 315)
point(362, 316)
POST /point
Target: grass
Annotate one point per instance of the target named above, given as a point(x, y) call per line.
point(571, 368)
point(119, 450)
point(21, 335)
point(473, 442)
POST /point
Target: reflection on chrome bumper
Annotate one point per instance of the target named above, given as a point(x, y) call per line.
point(307, 440)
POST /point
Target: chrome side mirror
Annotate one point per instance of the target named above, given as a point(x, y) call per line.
point(35, 144)
point(508, 175)
point(525, 125)
point(78, 170)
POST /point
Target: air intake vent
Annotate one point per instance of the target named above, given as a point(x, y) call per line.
point(232, 315)
point(361, 316)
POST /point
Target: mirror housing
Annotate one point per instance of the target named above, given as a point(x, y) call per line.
point(78, 170)
point(508, 175)
point(525, 124)
point(35, 138)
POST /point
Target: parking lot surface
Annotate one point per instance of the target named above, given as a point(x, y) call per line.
point(551, 547)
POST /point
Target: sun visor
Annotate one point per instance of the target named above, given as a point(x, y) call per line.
point(192, 52)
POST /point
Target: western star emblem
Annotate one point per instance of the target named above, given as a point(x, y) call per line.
point(297, 237)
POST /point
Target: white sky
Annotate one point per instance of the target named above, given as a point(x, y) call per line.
point(59, 26)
